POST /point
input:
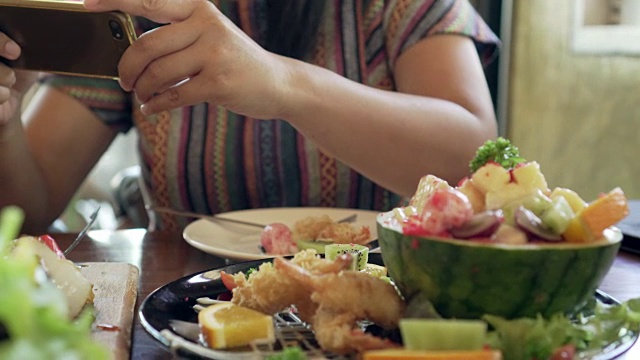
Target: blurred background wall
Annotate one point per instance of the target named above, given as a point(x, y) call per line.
point(576, 113)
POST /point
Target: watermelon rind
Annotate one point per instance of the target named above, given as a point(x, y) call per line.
point(467, 279)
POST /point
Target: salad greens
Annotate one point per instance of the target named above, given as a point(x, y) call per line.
point(11, 219)
point(290, 353)
point(33, 311)
point(528, 338)
point(500, 151)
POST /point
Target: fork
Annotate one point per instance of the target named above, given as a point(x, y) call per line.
point(217, 218)
point(83, 232)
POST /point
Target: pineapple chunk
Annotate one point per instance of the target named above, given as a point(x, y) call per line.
point(491, 177)
point(428, 184)
point(598, 215)
point(475, 196)
point(510, 234)
point(524, 180)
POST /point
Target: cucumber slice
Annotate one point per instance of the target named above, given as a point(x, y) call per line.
point(557, 217)
point(316, 245)
point(360, 254)
point(438, 334)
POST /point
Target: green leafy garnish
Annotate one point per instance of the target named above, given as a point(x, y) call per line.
point(11, 218)
point(528, 338)
point(290, 353)
point(250, 271)
point(34, 321)
point(500, 151)
point(538, 338)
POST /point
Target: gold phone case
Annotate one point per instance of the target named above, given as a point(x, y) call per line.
point(62, 37)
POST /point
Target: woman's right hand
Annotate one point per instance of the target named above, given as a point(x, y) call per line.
point(13, 83)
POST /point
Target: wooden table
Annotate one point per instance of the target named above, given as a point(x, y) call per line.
point(163, 257)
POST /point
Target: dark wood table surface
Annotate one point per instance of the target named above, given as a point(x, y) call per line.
point(163, 257)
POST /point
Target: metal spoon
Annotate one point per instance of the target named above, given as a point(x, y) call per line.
point(83, 232)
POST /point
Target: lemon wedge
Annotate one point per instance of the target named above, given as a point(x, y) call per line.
point(227, 325)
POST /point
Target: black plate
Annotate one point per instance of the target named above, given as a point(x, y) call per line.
point(630, 227)
point(176, 300)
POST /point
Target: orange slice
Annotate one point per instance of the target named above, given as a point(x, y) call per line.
point(402, 354)
point(227, 325)
point(601, 213)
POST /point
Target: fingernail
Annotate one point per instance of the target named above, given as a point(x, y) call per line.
point(123, 86)
point(144, 109)
point(12, 49)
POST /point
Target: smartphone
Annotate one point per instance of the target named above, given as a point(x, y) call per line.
point(63, 37)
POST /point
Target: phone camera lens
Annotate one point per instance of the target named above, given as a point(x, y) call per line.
point(116, 29)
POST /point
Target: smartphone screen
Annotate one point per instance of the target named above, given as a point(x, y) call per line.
point(67, 41)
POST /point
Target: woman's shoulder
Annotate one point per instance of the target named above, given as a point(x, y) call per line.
point(405, 22)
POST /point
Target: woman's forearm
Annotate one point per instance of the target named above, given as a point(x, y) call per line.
point(393, 138)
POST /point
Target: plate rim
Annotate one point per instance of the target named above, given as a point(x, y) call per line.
point(244, 256)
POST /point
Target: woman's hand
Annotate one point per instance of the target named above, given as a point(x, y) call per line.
point(13, 83)
point(200, 56)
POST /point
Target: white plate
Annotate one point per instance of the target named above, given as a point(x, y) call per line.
point(241, 242)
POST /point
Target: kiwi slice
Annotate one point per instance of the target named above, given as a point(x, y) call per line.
point(360, 254)
point(317, 245)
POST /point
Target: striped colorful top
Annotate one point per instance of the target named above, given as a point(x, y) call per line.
point(208, 160)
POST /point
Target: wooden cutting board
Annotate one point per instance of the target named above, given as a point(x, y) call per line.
point(115, 286)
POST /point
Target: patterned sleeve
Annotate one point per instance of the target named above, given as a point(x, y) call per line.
point(408, 21)
point(104, 97)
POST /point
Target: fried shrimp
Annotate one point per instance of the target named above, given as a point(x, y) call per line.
point(268, 291)
point(343, 298)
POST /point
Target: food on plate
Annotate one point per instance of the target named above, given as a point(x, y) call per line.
point(267, 291)
point(77, 290)
point(39, 318)
point(466, 278)
point(345, 297)
point(403, 354)
point(439, 334)
point(376, 271)
point(313, 232)
point(277, 239)
point(324, 228)
point(359, 254)
point(503, 247)
point(499, 266)
point(315, 287)
point(226, 325)
point(508, 206)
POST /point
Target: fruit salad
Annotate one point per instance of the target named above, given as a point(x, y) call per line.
point(508, 202)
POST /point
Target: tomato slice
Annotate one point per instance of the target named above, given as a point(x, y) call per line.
point(52, 244)
point(565, 352)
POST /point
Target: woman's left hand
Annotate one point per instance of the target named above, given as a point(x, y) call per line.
point(199, 56)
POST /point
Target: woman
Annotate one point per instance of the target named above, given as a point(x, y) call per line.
point(368, 96)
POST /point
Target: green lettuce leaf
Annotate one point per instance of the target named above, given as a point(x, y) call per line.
point(529, 338)
point(33, 311)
